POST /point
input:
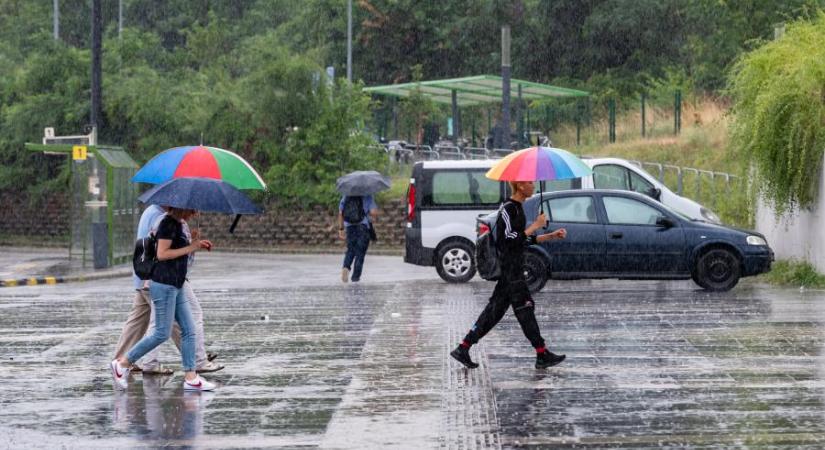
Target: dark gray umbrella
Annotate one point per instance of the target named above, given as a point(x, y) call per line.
point(202, 194)
point(362, 182)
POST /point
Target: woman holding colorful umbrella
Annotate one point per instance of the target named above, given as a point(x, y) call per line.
point(512, 237)
point(206, 171)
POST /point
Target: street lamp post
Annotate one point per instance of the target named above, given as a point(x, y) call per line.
point(349, 41)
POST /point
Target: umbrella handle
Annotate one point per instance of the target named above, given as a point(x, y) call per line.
point(541, 196)
point(234, 223)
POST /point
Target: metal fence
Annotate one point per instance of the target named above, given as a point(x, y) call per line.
point(707, 187)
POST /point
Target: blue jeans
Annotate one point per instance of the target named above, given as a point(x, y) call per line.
point(358, 240)
point(170, 305)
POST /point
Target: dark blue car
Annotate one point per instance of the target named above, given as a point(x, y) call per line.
point(621, 234)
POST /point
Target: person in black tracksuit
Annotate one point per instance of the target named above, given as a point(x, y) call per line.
point(512, 239)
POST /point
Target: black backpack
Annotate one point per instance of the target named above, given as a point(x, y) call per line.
point(487, 253)
point(354, 209)
point(145, 256)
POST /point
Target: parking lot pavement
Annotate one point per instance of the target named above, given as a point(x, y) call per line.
point(315, 363)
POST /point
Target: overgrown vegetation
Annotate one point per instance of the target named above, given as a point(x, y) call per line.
point(247, 75)
point(795, 273)
point(779, 111)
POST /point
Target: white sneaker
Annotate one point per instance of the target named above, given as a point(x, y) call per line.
point(198, 384)
point(345, 275)
point(120, 375)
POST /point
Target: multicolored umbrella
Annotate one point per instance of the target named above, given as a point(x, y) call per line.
point(203, 162)
point(539, 163)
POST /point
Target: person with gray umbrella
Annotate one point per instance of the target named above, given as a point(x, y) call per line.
point(357, 211)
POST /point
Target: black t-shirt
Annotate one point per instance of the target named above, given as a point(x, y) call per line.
point(171, 271)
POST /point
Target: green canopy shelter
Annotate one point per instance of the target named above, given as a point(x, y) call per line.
point(473, 91)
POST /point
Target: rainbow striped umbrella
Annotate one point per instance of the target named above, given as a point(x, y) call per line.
point(539, 163)
point(203, 162)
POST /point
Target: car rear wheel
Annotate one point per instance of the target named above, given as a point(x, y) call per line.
point(455, 263)
point(717, 270)
point(535, 271)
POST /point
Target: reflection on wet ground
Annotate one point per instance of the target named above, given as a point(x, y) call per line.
point(361, 366)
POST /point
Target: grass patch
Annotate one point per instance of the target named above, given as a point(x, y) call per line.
point(702, 144)
point(794, 273)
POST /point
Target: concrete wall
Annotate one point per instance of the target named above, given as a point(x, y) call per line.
point(45, 221)
point(799, 235)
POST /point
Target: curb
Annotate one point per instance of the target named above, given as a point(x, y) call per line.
point(297, 250)
point(34, 281)
point(31, 281)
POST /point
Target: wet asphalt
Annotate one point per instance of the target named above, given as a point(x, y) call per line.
point(312, 362)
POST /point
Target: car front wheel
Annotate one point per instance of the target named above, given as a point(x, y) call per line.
point(717, 270)
point(454, 262)
point(535, 271)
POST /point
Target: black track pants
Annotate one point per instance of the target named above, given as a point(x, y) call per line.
point(509, 291)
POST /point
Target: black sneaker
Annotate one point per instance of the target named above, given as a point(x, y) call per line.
point(548, 359)
point(462, 355)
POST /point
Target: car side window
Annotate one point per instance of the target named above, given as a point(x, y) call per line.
point(627, 211)
point(610, 176)
point(639, 184)
point(572, 209)
point(464, 187)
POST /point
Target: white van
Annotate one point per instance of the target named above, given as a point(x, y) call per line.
point(445, 198)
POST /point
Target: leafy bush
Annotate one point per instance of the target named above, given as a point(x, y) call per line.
point(795, 273)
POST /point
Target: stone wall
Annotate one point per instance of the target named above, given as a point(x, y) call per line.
point(299, 227)
point(277, 228)
point(46, 218)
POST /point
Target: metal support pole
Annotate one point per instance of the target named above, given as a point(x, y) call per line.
point(677, 112)
point(474, 129)
point(97, 39)
point(56, 19)
point(547, 119)
point(119, 18)
point(520, 119)
point(611, 111)
point(644, 119)
point(394, 118)
point(503, 135)
point(349, 41)
point(527, 126)
point(578, 123)
point(456, 115)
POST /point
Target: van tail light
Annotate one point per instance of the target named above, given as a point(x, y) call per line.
point(411, 203)
point(483, 229)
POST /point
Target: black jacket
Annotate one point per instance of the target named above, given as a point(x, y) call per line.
point(511, 242)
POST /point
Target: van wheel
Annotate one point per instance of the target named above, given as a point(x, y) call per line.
point(455, 263)
point(717, 270)
point(535, 271)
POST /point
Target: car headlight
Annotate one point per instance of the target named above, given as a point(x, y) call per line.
point(709, 215)
point(756, 240)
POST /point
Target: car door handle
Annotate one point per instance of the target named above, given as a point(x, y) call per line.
point(616, 235)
